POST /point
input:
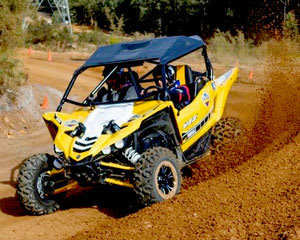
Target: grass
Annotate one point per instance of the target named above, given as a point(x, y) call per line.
point(224, 47)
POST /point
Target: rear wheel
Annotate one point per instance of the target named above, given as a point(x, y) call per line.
point(226, 130)
point(36, 186)
point(157, 176)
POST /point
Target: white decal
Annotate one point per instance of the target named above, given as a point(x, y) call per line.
point(205, 99)
point(213, 84)
point(190, 121)
point(71, 123)
point(100, 116)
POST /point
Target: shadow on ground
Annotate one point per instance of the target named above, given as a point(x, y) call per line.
point(113, 201)
point(11, 206)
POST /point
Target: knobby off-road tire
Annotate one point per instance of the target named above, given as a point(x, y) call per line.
point(226, 130)
point(157, 176)
point(32, 183)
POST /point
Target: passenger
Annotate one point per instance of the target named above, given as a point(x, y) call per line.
point(119, 88)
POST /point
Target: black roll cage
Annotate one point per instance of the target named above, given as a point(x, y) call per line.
point(86, 103)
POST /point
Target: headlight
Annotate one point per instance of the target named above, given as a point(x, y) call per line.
point(120, 144)
point(57, 150)
point(57, 119)
point(106, 150)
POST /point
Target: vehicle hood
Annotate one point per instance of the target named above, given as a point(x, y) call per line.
point(99, 118)
point(128, 116)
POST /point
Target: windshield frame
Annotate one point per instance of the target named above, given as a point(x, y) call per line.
point(145, 97)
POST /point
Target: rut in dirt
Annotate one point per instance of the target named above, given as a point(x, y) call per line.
point(276, 118)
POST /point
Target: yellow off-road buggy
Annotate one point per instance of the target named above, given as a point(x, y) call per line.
point(141, 142)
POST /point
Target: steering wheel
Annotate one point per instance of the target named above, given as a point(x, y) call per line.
point(159, 96)
point(146, 90)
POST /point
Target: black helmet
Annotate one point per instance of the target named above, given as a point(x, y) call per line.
point(116, 74)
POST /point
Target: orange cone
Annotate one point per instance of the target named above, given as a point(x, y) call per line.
point(29, 51)
point(45, 102)
point(49, 56)
point(250, 75)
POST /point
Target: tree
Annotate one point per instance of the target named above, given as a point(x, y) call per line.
point(255, 18)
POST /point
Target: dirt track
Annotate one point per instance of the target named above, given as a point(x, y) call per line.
point(251, 191)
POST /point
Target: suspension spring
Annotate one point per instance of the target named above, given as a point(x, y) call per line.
point(131, 155)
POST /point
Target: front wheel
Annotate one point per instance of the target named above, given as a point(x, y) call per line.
point(35, 187)
point(157, 176)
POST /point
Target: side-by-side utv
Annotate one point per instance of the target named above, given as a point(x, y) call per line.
point(141, 142)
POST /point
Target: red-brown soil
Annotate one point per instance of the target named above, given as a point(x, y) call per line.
point(251, 191)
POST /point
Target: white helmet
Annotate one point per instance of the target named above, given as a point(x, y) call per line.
point(170, 73)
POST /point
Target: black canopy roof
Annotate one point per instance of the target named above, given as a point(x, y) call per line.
point(163, 50)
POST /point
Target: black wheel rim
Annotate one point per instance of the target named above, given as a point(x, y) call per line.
point(165, 179)
point(44, 186)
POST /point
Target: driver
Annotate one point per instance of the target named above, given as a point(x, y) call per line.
point(180, 94)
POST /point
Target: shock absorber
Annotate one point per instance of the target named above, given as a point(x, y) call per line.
point(131, 155)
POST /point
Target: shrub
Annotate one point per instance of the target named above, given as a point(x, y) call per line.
point(11, 73)
point(42, 32)
point(225, 47)
point(114, 40)
point(11, 18)
point(92, 37)
point(290, 27)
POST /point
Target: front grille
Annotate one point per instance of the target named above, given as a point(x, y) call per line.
point(84, 145)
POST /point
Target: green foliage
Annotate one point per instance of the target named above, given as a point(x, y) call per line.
point(86, 11)
point(47, 35)
point(225, 42)
point(11, 17)
point(114, 40)
point(12, 13)
point(116, 24)
point(11, 73)
point(42, 32)
point(92, 37)
point(225, 47)
point(256, 18)
point(290, 27)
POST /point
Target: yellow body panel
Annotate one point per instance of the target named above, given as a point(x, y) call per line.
point(202, 106)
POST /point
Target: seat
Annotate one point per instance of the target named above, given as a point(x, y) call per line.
point(101, 92)
point(184, 74)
